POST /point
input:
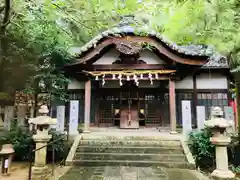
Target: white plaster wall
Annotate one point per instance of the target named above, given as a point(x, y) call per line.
point(108, 58)
point(150, 57)
point(74, 84)
point(186, 83)
point(212, 81)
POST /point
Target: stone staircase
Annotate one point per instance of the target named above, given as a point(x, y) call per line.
point(140, 151)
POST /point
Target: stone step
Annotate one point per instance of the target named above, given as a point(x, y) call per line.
point(130, 149)
point(154, 143)
point(131, 156)
point(141, 163)
point(127, 136)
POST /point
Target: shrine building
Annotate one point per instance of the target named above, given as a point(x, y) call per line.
point(132, 78)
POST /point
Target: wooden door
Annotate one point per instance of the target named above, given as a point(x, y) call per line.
point(129, 117)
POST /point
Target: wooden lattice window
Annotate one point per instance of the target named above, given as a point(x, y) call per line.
point(212, 99)
point(106, 109)
point(152, 109)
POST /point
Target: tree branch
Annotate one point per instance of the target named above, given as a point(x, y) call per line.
point(71, 18)
point(6, 16)
point(2, 8)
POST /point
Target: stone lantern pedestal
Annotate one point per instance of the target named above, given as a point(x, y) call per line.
point(41, 154)
point(41, 139)
point(218, 125)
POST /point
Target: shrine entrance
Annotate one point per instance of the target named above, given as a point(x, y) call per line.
point(131, 107)
point(129, 111)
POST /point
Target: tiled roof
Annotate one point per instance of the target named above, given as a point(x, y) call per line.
point(215, 59)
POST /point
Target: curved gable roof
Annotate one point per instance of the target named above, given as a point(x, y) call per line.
point(197, 51)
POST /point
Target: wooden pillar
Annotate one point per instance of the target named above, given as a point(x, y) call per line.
point(87, 106)
point(172, 107)
point(194, 100)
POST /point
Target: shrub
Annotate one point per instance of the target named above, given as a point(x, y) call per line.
point(61, 147)
point(22, 141)
point(202, 149)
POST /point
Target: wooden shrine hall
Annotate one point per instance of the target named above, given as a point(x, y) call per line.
point(129, 80)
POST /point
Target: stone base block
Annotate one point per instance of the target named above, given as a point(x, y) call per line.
point(40, 170)
point(223, 174)
point(86, 131)
point(173, 132)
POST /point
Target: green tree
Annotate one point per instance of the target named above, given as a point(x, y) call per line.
point(49, 28)
point(212, 22)
point(39, 30)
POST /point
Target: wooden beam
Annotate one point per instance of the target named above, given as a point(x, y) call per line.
point(91, 67)
point(132, 67)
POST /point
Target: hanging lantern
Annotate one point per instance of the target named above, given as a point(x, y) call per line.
point(141, 76)
point(113, 76)
point(96, 78)
point(128, 78)
point(156, 76)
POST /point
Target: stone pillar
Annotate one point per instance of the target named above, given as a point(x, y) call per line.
point(8, 117)
point(40, 155)
point(172, 107)
point(87, 108)
point(21, 115)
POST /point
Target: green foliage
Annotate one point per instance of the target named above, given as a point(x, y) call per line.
point(22, 142)
point(45, 31)
point(50, 76)
point(210, 22)
point(60, 147)
point(202, 149)
point(235, 169)
point(37, 30)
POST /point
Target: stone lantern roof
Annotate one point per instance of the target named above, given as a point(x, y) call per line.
point(43, 119)
point(217, 120)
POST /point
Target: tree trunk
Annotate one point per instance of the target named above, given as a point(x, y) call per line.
point(3, 40)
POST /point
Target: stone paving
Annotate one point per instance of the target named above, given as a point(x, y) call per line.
point(128, 173)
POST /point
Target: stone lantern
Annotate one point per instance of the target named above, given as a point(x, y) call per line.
point(218, 126)
point(41, 138)
point(6, 156)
